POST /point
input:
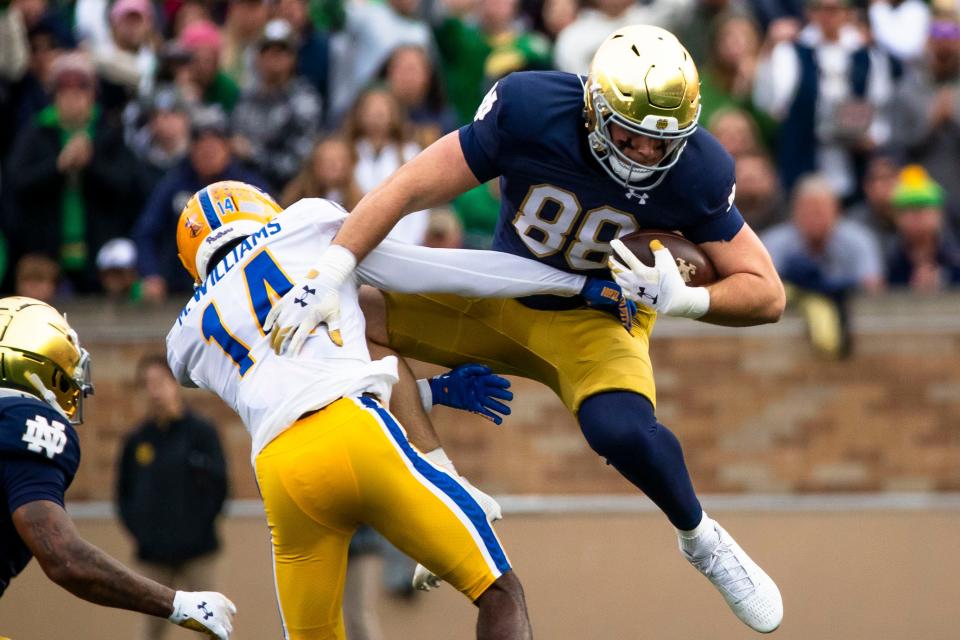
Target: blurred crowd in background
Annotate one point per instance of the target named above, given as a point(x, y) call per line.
point(844, 120)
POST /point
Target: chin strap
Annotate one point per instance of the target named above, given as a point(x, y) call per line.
point(48, 396)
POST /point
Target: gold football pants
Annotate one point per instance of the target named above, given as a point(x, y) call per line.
point(351, 463)
point(577, 353)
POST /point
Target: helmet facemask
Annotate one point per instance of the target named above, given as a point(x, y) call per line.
point(643, 80)
point(622, 169)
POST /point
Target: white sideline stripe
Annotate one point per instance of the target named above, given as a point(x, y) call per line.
point(532, 504)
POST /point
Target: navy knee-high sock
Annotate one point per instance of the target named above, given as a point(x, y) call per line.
point(621, 427)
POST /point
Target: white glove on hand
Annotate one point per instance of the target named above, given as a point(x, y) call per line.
point(208, 612)
point(423, 579)
point(660, 287)
point(310, 303)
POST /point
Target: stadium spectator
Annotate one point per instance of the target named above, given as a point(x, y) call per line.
point(735, 130)
point(117, 268)
point(829, 92)
point(727, 74)
point(370, 32)
point(75, 182)
point(900, 27)
point(48, 38)
point(444, 230)
point(876, 210)
point(327, 173)
point(14, 47)
point(819, 250)
point(478, 210)
point(91, 23)
point(171, 486)
point(162, 140)
point(37, 276)
point(925, 256)
point(180, 15)
point(379, 134)
point(823, 259)
point(241, 32)
point(759, 197)
point(276, 121)
point(578, 42)
point(209, 159)
point(128, 58)
point(313, 55)
point(557, 15)
point(411, 78)
point(202, 81)
point(927, 112)
point(479, 43)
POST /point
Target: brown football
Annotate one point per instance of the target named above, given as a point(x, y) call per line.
point(695, 266)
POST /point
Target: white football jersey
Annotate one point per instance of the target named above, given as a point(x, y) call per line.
point(218, 342)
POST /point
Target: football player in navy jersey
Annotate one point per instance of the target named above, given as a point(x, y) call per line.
point(582, 161)
point(43, 380)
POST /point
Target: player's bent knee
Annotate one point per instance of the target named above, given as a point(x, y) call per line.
point(618, 423)
point(374, 308)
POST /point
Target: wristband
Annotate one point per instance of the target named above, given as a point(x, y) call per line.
point(335, 264)
point(426, 394)
point(697, 301)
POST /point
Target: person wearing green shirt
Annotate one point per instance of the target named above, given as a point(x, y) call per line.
point(475, 54)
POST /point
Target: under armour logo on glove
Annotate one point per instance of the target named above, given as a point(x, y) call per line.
point(207, 614)
point(646, 297)
point(302, 300)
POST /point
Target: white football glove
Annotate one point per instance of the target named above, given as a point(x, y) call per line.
point(423, 579)
point(208, 612)
point(660, 287)
point(310, 303)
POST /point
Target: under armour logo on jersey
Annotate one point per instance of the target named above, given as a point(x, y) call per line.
point(487, 104)
point(207, 614)
point(302, 300)
point(641, 196)
point(44, 437)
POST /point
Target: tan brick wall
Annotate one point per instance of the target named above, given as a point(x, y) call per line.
point(755, 410)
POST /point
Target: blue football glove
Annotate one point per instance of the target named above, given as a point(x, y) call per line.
point(474, 388)
point(608, 296)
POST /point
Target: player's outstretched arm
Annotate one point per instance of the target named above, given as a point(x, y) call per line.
point(435, 176)
point(87, 572)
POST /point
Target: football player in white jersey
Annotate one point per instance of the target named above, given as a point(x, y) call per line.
point(328, 456)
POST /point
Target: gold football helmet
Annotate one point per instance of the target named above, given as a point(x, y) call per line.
point(644, 80)
point(41, 355)
point(217, 214)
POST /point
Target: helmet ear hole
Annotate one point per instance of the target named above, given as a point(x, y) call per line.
point(63, 383)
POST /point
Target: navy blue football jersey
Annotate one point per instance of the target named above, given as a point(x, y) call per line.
point(557, 204)
point(39, 455)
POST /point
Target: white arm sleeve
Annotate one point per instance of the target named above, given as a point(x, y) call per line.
point(404, 268)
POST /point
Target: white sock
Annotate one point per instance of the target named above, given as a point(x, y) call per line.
point(701, 540)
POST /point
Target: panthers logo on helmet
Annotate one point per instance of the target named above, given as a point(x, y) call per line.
point(216, 215)
point(193, 228)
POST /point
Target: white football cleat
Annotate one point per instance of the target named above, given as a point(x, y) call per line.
point(751, 593)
